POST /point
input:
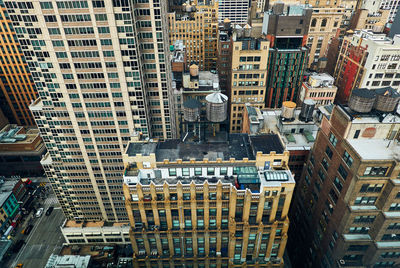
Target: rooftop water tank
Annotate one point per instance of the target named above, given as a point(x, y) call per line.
point(194, 70)
point(362, 100)
point(217, 107)
point(386, 99)
point(191, 110)
point(288, 108)
point(307, 110)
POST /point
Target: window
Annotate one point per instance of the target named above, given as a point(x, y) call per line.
point(223, 171)
point(347, 159)
point(394, 207)
point(356, 134)
point(371, 188)
point(365, 200)
point(342, 171)
point(375, 171)
point(338, 184)
point(172, 171)
point(332, 139)
point(364, 219)
point(210, 171)
point(198, 171)
point(325, 164)
point(323, 23)
point(314, 23)
point(329, 152)
point(185, 172)
point(358, 248)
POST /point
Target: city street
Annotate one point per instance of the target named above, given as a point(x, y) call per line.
point(44, 239)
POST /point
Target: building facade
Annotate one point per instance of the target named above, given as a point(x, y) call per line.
point(103, 77)
point(326, 18)
point(287, 28)
point(197, 26)
point(248, 76)
point(392, 6)
point(17, 89)
point(21, 150)
point(345, 212)
point(367, 60)
point(221, 209)
point(319, 88)
point(370, 20)
point(237, 11)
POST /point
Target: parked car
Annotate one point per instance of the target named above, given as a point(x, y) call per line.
point(39, 212)
point(49, 211)
point(28, 229)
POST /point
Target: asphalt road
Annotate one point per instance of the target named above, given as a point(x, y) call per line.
point(44, 239)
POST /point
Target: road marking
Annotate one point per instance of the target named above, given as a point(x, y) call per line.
point(26, 242)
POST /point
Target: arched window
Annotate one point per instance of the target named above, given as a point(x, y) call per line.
point(323, 23)
point(314, 23)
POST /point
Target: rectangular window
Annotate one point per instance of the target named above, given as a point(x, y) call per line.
point(347, 159)
point(210, 171)
point(185, 172)
point(329, 152)
point(375, 171)
point(198, 171)
point(172, 171)
point(223, 171)
point(332, 139)
point(338, 184)
point(365, 200)
point(371, 188)
point(342, 171)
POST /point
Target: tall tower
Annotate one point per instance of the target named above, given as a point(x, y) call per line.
point(17, 89)
point(100, 68)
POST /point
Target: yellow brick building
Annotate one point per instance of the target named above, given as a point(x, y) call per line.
point(203, 205)
point(197, 26)
point(248, 77)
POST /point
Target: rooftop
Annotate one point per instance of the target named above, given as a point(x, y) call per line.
point(14, 134)
point(382, 149)
point(238, 146)
point(373, 117)
point(5, 190)
point(68, 261)
point(93, 224)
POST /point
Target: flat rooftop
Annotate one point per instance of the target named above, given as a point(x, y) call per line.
point(376, 149)
point(238, 146)
point(292, 141)
point(373, 117)
point(95, 224)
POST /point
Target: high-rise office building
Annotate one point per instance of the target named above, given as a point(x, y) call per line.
point(287, 28)
point(346, 207)
point(197, 25)
point(17, 89)
point(220, 204)
point(248, 74)
point(367, 60)
point(235, 10)
point(393, 6)
point(101, 69)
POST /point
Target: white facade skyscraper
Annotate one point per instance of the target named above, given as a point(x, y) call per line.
point(235, 10)
point(101, 70)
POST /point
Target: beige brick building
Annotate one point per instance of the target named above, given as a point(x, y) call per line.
point(203, 205)
point(248, 76)
point(197, 26)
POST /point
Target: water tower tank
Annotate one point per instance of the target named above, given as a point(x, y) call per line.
point(386, 99)
point(362, 100)
point(191, 110)
point(288, 108)
point(247, 30)
point(217, 107)
point(194, 70)
point(307, 110)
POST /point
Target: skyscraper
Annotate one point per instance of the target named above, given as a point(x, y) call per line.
point(100, 68)
point(17, 89)
point(235, 10)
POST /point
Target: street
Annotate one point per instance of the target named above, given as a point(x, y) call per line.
point(44, 239)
